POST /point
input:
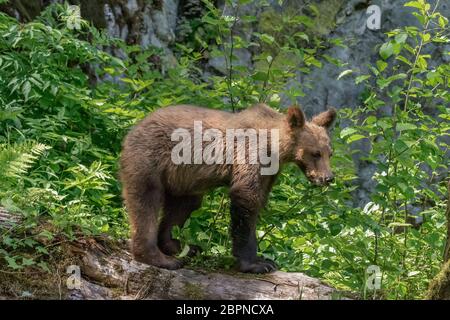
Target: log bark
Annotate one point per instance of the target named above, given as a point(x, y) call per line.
point(113, 274)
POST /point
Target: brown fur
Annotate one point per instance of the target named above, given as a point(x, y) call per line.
point(151, 181)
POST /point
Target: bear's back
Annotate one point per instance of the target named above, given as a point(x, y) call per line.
point(150, 142)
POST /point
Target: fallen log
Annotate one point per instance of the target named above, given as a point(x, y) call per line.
point(107, 271)
point(115, 275)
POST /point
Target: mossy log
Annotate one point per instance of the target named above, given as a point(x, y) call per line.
point(107, 271)
point(113, 274)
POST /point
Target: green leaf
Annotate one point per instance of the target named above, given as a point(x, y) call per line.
point(401, 37)
point(355, 137)
point(386, 50)
point(419, 17)
point(362, 78)
point(41, 249)
point(381, 65)
point(406, 126)
point(302, 19)
point(347, 131)
point(12, 263)
point(434, 77)
point(404, 60)
point(44, 266)
point(384, 124)
point(302, 35)
point(26, 88)
point(326, 264)
point(414, 4)
point(332, 60)
point(422, 63)
point(383, 83)
point(344, 73)
point(300, 241)
point(400, 146)
point(259, 76)
point(399, 224)
point(335, 228)
point(443, 21)
point(267, 38)
point(27, 262)
point(426, 37)
point(184, 252)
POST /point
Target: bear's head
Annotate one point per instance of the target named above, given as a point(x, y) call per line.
point(311, 144)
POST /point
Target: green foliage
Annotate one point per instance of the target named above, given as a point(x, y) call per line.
point(58, 145)
point(403, 120)
point(15, 160)
point(318, 231)
point(282, 47)
point(61, 129)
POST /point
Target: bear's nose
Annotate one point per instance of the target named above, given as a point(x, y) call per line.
point(329, 178)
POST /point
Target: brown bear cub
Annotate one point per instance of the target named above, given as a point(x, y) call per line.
point(153, 182)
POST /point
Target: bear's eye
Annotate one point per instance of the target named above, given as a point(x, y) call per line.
point(317, 154)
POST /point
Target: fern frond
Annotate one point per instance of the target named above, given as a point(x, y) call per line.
point(16, 159)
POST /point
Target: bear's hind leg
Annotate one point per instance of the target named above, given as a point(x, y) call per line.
point(144, 201)
point(177, 209)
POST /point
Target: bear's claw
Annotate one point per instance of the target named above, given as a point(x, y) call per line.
point(260, 265)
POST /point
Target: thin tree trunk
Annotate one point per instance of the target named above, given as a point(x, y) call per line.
point(439, 288)
point(447, 214)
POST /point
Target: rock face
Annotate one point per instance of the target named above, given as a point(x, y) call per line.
point(158, 22)
point(143, 23)
point(140, 22)
point(322, 87)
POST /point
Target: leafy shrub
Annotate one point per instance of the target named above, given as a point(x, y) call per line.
point(58, 146)
point(319, 231)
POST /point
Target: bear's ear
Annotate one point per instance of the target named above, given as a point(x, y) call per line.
point(295, 117)
point(326, 118)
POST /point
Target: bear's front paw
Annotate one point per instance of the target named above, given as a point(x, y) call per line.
point(260, 265)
